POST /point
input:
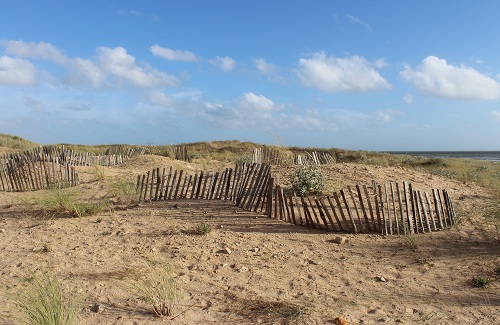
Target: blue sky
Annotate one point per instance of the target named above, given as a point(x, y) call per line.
point(369, 75)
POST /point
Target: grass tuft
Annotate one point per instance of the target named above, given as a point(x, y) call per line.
point(481, 282)
point(44, 303)
point(158, 289)
point(204, 229)
point(63, 202)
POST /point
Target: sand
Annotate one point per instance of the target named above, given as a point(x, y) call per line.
point(251, 269)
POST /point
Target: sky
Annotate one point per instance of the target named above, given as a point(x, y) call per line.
point(385, 75)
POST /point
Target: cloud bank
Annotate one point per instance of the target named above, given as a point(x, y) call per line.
point(434, 76)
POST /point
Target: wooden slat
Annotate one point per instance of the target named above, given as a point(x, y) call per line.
point(332, 206)
point(363, 208)
point(353, 199)
point(437, 208)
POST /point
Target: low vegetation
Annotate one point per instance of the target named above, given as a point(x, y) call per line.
point(308, 180)
point(158, 289)
point(62, 203)
point(43, 302)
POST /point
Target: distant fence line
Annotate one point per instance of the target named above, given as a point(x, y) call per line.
point(29, 176)
point(62, 155)
point(274, 156)
point(386, 209)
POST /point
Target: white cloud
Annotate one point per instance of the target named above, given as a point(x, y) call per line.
point(264, 67)
point(356, 20)
point(224, 63)
point(257, 102)
point(82, 71)
point(159, 99)
point(381, 63)
point(495, 115)
point(41, 50)
point(436, 77)
point(387, 115)
point(173, 55)
point(331, 74)
point(113, 67)
point(14, 71)
point(117, 62)
point(408, 99)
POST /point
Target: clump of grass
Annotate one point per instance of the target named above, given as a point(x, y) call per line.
point(308, 179)
point(204, 229)
point(43, 302)
point(124, 190)
point(64, 202)
point(481, 282)
point(411, 241)
point(158, 289)
point(99, 172)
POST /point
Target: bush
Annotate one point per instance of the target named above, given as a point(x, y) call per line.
point(307, 180)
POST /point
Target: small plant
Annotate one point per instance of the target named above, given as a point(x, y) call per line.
point(124, 190)
point(411, 241)
point(481, 282)
point(308, 179)
point(98, 172)
point(64, 202)
point(46, 248)
point(44, 303)
point(158, 289)
point(422, 260)
point(204, 229)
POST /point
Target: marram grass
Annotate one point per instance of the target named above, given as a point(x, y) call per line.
point(43, 302)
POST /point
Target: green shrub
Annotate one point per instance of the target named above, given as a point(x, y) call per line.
point(481, 282)
point(308, 179)
point(204, 229)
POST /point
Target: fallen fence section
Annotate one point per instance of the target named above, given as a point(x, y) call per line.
point(29, 176)
point(385, 209)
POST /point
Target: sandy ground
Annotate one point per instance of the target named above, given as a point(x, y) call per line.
point(250, 269)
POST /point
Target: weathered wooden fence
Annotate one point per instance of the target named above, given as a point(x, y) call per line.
point(62, 155)
point(274, 156)
point(246, 185)
point(271, 156)
point(314, 157)
point(28, 176)
point(386, 209)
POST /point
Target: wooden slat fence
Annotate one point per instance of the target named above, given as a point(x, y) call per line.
point(64, 155)
point(314, 157)
point(273, 156)
point(246, 185)
point(391, 209)
point(29, 176)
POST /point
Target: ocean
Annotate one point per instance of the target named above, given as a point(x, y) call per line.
point(477, 155)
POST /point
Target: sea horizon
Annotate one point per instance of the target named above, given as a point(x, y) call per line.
point(476, 155)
